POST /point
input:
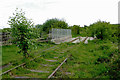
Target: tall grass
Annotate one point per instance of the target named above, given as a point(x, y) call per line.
point(93, 60)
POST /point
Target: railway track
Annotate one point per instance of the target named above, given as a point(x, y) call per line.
point(9, 64)
point(49, 63)
point(25, 63)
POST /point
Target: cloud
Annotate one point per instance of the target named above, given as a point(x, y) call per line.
point(29, 5)
point(81, 12)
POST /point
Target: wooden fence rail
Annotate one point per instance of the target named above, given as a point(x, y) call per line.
point(5, 38)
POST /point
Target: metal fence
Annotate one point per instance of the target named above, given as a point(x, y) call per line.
point(59, 35)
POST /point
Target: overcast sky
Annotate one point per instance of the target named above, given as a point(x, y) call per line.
point(74, 12)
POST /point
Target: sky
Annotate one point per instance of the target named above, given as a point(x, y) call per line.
point(74, 12)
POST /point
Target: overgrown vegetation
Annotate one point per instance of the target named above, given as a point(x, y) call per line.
point(100, 29)
point(21, 30)
point(54, 23)
point(99, 58)
point(92, 60)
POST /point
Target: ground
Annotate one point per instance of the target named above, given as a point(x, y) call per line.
point(90, 60)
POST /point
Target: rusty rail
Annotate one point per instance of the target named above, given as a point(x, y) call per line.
point(74, 39)
point(56, 69)
point(22, 63)
point(85, 39)
point(37, 57)
point(12, 69)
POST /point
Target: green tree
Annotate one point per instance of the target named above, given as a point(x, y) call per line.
point(115, 33)
point(38, 26)
point(39, 29)
point(21, 30)
point(75, 29)
point(101, 30)
point(54, 23)
point(6, 30)
point(60, 24)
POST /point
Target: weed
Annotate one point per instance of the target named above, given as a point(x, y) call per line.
point(31, 64)
point(38, 60)
point(91, 50)
point(104, 47)
point(21, 70)
point(102, 59)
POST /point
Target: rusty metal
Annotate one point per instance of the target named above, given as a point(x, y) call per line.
point(56, 69)
point(37, 57)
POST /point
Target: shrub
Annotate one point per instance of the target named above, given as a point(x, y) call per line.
point(104, 47)
point(31, 64)
point(21, 30)
point(101, 30)
point(102, 59)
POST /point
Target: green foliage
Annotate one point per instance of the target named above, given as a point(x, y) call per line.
point(79, 31)
point(104, 31)
point(21, 30)
point(101, 30)
point(102, 59)
point(38, 26)
point(115, 32)
point(37, 31)
point(20, 71)
point(0, 30)
point(60, 24)
point(83, 31)
point(9, 54)
point(104, 47)
point(6, 30)
point(114, 67)
point(90, 60)
point(31, 64)
point(54, 23)
point(75, 29)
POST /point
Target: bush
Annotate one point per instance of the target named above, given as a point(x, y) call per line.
point(54, 23)
point(21, 70)
point(21, 30)
point(101, 30)
point(31, 64)
point(102, 59)
point(114, 69)
point(104, 47)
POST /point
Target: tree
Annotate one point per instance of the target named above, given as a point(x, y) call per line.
point(75, 29)
point(60, 24)
point(54, 23)
point(101, 30)
point(115, 32)
point(38, 26)
point(8, 30)
point(21, 30)
point(39, 29)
